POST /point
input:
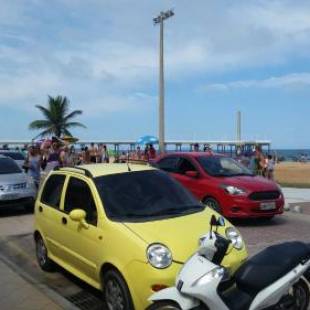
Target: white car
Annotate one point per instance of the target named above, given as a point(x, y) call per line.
point(18, 156)
point(16, 188)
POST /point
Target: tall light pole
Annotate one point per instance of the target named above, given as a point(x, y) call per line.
point(161, 113)
point(239, 125)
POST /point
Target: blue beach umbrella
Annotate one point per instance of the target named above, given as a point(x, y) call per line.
point(147, 140)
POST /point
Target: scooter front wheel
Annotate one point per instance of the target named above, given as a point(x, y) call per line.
point(300, 293)
point(164, 305)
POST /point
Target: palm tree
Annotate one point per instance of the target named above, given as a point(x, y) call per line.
point(57, 119)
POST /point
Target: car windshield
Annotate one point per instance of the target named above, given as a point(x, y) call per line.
point(8, 166)
point(144, 196)
point(223, 166)
point(13, 155)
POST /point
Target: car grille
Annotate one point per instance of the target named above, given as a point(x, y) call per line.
point(19, 186)
point(271, 195)
point(13, 187)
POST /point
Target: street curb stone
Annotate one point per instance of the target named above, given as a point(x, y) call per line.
point(55, 297)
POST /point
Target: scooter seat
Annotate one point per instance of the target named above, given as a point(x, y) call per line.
point(269, 265)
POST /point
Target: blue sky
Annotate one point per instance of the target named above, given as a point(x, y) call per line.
point(221, 56)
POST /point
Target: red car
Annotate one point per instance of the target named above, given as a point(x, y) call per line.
point(223, 184)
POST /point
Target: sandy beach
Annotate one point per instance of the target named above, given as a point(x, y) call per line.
point(293, 174)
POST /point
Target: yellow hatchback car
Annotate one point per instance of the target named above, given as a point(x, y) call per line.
point(124, 229)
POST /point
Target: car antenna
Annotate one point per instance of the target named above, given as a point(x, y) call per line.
point(129, 170)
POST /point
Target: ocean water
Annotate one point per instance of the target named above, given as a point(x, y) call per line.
point(292, 154)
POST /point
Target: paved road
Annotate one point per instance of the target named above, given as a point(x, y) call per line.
point(16, 245)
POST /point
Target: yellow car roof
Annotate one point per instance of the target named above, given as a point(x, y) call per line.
point(98, 170)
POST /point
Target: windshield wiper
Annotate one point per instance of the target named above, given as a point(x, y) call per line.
point(179, 210)
point(242, 174)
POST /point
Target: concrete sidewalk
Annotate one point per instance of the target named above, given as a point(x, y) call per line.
point(296, 195)
point(17, 293)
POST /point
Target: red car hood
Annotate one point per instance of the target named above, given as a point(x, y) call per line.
point(251, 183)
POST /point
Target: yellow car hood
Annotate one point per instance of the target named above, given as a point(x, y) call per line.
point(179, 234)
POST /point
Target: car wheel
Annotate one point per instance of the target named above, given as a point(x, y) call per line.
point(115, 292)
point(44, 261)
point(164, 305)
point(213, 204)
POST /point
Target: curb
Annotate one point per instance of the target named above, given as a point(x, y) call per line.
point(51, 294)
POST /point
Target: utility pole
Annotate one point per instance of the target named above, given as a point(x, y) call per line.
point(239, 126)
point(161, 111)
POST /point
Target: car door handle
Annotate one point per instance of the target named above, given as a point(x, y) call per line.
point(40, 209)
point(64, 220)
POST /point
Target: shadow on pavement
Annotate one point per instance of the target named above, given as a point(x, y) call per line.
point(14, 211)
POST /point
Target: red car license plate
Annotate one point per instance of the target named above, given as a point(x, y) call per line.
point(267, 206)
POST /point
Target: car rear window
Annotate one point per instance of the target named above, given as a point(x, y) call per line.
point(8, 166)
point(13, 155)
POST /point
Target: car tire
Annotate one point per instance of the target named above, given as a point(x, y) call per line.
point(213, 204)
point(116, 292)
point(164, 305)
point(43, 260)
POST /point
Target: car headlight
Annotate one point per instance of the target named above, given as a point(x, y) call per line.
point(234, 236)
point(4, 188)
point(159, 256)
point(233, 190)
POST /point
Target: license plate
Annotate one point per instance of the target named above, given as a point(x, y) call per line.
point(267, 206)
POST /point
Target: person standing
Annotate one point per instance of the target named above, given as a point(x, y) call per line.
point(139, 153)
point(93, 153)
point(105, 155)
point(99, 153)
point(53, 157)
point(270, 167)
point(34, 165)
point(259, 161)
point(152, 152)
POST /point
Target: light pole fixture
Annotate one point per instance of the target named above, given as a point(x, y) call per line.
point(161, 113)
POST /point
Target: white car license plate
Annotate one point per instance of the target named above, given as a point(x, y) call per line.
point(267, 206)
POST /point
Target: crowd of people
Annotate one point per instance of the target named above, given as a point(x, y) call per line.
point(262, 164)
point(46, 156)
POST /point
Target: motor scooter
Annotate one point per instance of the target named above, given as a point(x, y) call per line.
point(272, 279)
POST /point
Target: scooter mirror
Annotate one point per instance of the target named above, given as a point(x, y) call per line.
point(213, 221)
point(221, 221)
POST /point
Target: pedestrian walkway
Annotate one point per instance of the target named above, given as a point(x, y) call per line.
point(16, 293)
point(296, 195)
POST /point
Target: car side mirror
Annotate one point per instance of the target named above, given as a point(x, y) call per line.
point(79, 215)
point(191, 174)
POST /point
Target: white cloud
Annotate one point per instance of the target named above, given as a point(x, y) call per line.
point(290, 81)
point(109, 49)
